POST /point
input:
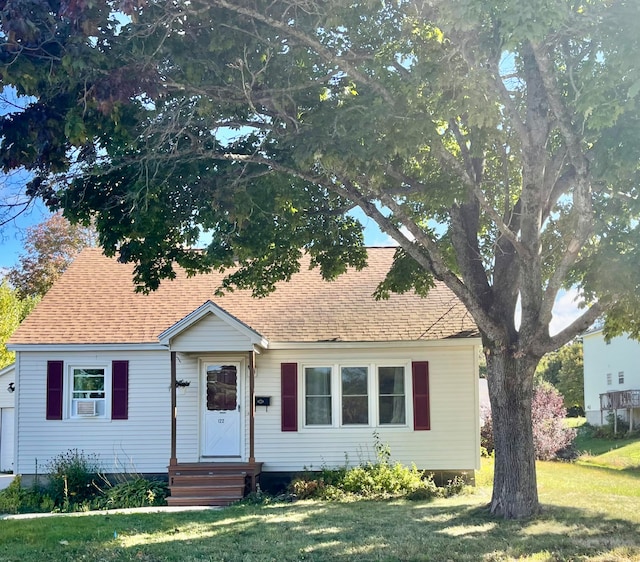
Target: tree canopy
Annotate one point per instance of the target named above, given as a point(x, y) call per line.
point(13, 310)
point(495, 142)
point(49, 248)
point(564, 369)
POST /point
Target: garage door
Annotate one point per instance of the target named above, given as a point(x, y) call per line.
point(6, 440)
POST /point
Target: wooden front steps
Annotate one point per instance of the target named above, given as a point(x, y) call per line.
point(217, 483)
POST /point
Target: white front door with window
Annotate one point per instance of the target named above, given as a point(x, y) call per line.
point(222, 425)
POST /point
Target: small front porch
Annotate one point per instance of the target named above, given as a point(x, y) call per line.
point(218, 483)
point(218, 358)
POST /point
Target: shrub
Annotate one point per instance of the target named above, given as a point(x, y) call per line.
point(606, 431)
point(72, 478)
point(379, 479)
point(425, 490)
point(16, 499)
point(305, 487)
point(550, 434)
point(486, 433)
point(454, 487)
point(138, 492)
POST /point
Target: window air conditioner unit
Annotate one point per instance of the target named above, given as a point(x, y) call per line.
point(86, 408)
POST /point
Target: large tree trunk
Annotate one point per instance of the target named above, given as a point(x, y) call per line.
point(510, 381)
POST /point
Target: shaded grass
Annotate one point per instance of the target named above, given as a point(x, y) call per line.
point(589, 513)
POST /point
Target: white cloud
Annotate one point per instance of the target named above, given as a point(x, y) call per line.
point(565, 310)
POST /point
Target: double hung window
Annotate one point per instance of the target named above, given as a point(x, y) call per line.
point(318, 403)
point(355, 395)
point(391, 396)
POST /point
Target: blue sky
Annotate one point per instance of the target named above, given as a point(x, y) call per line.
point(12, 233)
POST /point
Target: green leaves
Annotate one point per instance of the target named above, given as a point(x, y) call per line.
point(13, 310)
point(261, 124)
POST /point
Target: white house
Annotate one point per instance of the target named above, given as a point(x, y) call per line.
point(7, 437)
point(611, 378)
point(203, 384)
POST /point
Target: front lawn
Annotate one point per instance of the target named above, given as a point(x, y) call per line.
point(590, 513)
point(622, 453)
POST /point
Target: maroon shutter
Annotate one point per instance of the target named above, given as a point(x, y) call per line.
point(55, 383)
point(289, 393)
point(421, 415)
point(120, 390)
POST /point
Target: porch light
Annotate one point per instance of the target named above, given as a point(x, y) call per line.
point(11, 387)
point(182, 385)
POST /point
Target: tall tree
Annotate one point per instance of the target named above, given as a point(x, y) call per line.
point(13, 310)
point(564, 369)
point(495, 142)
point(49, 248)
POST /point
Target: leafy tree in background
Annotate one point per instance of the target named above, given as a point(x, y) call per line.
point(49, 248)
point(564, 369)
point(495, 142)
point(13, 310)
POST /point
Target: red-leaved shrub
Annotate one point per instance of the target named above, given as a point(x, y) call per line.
point(550, 436)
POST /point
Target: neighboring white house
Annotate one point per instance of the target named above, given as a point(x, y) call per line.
point(7, 436)
point(611, 378)
point(301, 378)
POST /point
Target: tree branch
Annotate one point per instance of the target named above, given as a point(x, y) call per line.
point(450, 161)
point(305, 39)
point(544, 344)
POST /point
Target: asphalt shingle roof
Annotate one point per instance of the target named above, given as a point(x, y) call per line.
point(95, 302)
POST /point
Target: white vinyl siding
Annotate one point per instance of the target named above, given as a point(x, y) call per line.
point(140, 444)
point(212, 335)
point(619, 355)
point(451, 444)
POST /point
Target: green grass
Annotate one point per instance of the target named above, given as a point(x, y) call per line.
point(590, 513)
point(619, 454)
point(575, 422)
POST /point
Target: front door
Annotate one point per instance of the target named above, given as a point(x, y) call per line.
point(221, 410)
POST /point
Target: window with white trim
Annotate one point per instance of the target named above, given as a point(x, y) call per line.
point(318, 404)
point(392, 401)
point(355, 395)
point(620, 377)
point(609, 379)
point(88, 392)
point(354, 382)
